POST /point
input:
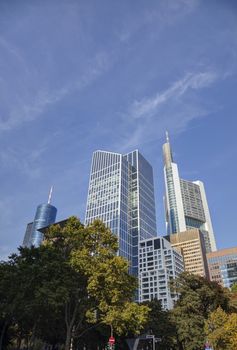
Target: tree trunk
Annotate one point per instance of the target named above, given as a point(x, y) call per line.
point(2, 334)
point(32, 338)
point(19, 340)
point(68, 338)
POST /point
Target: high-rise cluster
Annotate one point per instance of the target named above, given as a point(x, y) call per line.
point(121, 194)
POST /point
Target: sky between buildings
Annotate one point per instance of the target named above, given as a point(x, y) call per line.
point(76, 76)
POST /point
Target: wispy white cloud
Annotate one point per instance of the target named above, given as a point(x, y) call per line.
point(25, 161)
point(166, 13)
point(173, 109)
point(32, 106)
point(147, 107)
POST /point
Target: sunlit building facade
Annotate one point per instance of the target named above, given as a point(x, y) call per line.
point(186, 204)
point(191, 245)
point(45, 215)
point(159, 264)
point(121, 194)
point(222, 266)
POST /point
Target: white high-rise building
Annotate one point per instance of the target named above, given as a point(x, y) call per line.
point(159, 263)
point(185, 202)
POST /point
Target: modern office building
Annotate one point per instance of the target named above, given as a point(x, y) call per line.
point(44, 216)
point(222, 266)
point(191, 245)
point(185, 202)
point(159, 263)
point(121, 194)
point(27, 237)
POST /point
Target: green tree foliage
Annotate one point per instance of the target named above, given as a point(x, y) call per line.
point(215, 330)
point(221, 330)
point(197, 298)
point(74, 279)
point(231, 331)
point(160, 323)
point(233, 297)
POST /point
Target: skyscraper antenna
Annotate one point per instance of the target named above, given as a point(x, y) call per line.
point(167, 136)
point(50, 195)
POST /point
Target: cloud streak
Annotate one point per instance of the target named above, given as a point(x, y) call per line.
point(147, 107)
point(172, 109)
point(29, 108)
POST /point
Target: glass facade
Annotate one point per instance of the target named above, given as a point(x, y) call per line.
point(45, 215)
point(229, 274)
point(192, 202)
point(121, 194)
point(173, 223)
point(27, 237)
point(223, 267)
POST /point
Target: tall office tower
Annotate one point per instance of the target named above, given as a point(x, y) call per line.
point(159, 263)
point(222, 266)
point(185, 202)
point(45, 215)
point(27, 237)
point(191, 245)
point(121, 194)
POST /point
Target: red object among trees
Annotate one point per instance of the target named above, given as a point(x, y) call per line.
point(111, 340)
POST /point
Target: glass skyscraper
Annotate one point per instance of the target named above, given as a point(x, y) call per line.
point(44, 216)
point(185, 202)
point(121, 194)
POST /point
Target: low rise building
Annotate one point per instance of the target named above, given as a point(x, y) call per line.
point(159, 263)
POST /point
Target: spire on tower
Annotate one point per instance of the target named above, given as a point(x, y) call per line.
point(50, 195)
point(167, 152)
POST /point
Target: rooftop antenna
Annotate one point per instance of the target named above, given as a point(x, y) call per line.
point(167, 136)
point(50, 195)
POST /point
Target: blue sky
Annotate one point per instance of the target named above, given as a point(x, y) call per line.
point(76, 76)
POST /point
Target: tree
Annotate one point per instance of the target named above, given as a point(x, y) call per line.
point(8, 291)
point(72, 281)
point(197, 298)
point(233, 297)
point(160, 324)
point(27, 304)
point(221, 330)
point(110, 287)
point(231, 331)
point(215, 330)
point(101, 289)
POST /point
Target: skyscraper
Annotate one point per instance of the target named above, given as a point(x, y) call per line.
point(45, 215)
point(121, 194)
point(185, 202)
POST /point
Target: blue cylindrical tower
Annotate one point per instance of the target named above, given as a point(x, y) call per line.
point(45, 215)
